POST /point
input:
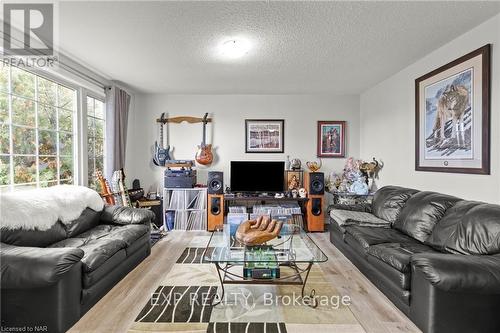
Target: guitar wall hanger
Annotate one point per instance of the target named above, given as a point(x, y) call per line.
point(204, 155)
point(181, 119)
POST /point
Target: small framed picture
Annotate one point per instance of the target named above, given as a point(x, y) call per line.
point(452, 116)
point(264, 135)
point(331, 138)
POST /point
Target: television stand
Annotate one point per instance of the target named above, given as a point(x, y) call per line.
point(261, 198)
point(250, 201)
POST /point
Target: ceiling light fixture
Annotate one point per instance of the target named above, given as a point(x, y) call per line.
point(234, 48)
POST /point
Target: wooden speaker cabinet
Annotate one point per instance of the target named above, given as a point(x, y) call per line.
point(215, 211)
point(315, 217)
point(314, 183)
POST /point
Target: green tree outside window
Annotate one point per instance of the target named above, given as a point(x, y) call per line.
point(36, 130)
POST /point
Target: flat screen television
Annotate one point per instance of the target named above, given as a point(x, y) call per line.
point(253, 176)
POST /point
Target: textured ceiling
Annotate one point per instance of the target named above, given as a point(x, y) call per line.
point(299, 47)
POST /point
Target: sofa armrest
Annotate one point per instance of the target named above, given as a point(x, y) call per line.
point(461, 273)
point(126, 215)
point(32, 267)
point(361, 207)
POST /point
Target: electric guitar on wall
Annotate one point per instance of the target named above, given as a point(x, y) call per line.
point(161, 154)
point(204, 154)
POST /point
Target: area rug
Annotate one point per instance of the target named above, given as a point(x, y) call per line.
point(181, 303)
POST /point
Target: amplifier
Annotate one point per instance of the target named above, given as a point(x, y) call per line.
point(180, 178)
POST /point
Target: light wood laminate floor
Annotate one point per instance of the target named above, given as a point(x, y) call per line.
point(116, 311)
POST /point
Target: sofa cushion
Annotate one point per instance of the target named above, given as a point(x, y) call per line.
point(91, 278)
point(448, 224)
point(98, 251)
point(127, 215)
point(139, 244)
point(367, 236)
point(99, 231)
point(87, 220)
point(33, 268)
point(421, 212)
point(69, 242)
point(478, 231)
point(128, 233)
point(34, 238)
point(390, 274)
point(363, 219)
point(389, 200)
point(398, 255)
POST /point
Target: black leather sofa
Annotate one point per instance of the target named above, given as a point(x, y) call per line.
point(439, 262)
point(49, 279)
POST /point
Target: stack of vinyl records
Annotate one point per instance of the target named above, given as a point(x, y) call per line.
point(188, 207)
point(275, 210)
point(234, 220)
point(237, 209)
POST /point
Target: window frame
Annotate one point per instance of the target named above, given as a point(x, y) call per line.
point(79, 130)
point(101, 98)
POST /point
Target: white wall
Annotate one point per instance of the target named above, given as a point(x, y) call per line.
point(388, 122)
point(227, 133)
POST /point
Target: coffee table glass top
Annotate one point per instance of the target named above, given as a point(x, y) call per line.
point(293, 245)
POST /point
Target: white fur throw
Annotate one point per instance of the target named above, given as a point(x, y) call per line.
point(41, 208)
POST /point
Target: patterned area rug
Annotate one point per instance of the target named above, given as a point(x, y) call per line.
point(181, 303)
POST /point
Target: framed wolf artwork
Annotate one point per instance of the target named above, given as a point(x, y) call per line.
point(331, 138)
point(452, 122)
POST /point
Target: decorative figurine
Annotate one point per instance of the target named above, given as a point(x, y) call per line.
point(314, 166)
point(355, 170)
point(293, 183)
point(302, 192)
point(255, 232)
point(295, 193)
point(370, 171)
point(359, 185)
point(295, 164)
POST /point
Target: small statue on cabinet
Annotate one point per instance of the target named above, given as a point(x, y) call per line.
point(314, 165)
point(293, 183)
point(295, 164)
point(359, 185)
point(302, 192)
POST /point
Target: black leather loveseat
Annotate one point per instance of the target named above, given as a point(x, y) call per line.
point(438, 260)
point(49, 279)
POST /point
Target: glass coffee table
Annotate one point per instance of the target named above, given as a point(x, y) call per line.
point(286, 260)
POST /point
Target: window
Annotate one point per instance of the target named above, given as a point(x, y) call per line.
point(36, 130)
point(95, 139)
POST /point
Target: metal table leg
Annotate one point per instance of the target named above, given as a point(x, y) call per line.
point(219, 300)
point(311, 298)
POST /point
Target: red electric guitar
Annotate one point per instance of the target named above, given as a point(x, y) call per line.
point(204, 154)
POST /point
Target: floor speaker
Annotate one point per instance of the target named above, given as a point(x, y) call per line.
point(315, 217)
point(314, 182)
point(215, 211)
point(215, 183)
